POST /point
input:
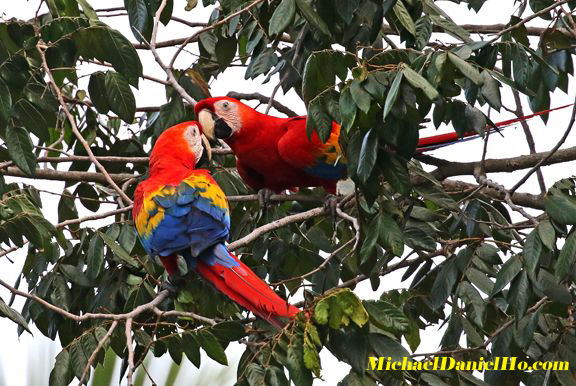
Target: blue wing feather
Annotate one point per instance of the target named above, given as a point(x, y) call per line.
point(192, 221)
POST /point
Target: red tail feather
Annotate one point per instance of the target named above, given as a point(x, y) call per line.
point(446, 139)
point(242, 285)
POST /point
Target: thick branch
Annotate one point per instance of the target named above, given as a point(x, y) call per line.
point(72, 176)
point(451, 169)
point(522, 199)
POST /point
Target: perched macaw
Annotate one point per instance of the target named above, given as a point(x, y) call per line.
point(181, 210)
point(276, 154)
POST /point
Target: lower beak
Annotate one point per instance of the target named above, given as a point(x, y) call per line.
point(207, 121)
point(207, 146)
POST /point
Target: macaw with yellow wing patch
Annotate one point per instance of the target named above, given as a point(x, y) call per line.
point(276, 153)
point(181, 210)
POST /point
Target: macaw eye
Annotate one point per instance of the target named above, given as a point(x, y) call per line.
point(225, 105)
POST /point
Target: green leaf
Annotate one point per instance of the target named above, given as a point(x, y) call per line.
point(565, 263)
point(547, 234)
point(95, 257)
point(230, 331)
point(282, 17)
point(404, 18)
point(561, 207)
point(191, 349)
point(386, 316)
point(67, 208)
point(444, 283)
point(339, 307)
point(467, 69)
point(360, 96)
point(88, 196)
point(212, 347)
point(347, 109)
point(5, 101)
point(127, 237)
point(509, 270)
point(98, 94)
point(368, 155)
point(88, 10)
point(225, 51)
point(392, 94)
point(106, 44)
point(312, 17)
point(391, 235)
point(295, 363)
point(532, 251)
point(386, 347)
point(118, 251)
point(320, 72)
point(60, 293)
point(61, 374)
point(139, 19)
point(519, 293)
point(20, 149)
point(261, 64)
point(491, 90)
point(120, 96)
point(13, 315)
point(396, 173)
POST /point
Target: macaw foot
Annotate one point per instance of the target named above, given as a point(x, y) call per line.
point(331, 204)
point(264, 196)
point(173, 284)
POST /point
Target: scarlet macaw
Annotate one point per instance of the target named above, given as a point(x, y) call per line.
point(276, 154)
point(181, 210)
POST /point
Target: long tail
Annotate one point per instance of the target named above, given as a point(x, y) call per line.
point(233, 278)
point(436, 141)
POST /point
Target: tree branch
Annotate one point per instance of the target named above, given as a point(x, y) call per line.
point(451, 169)
point(40, 48)
point(263, 99)
point(550, 155)
point(299, 217)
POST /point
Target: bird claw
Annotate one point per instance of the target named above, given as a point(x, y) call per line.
point(264, 196)
point(331, 204)
point(172, 284)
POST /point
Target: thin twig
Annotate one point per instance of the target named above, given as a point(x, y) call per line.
point(319, 268)
point(208, 28)
point(130, 349)
point(527, 19)
point(256, 233)
point(550, 153)
point(92, 358)
point(183, 314)
point(40, 48)
point(519, 112)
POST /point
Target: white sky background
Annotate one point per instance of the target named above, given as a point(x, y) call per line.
point(18, 355)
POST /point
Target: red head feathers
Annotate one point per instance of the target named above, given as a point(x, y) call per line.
point(183, 144)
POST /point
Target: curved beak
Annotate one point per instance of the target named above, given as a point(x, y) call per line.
point(207, 147)
point(207, 119)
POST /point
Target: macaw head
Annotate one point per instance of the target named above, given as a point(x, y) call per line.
point(222, 117)
point(183, 143)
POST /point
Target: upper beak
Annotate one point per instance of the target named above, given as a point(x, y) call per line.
point(207, 119)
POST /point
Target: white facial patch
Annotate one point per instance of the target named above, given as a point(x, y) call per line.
point(192, 136)
point(228, 111)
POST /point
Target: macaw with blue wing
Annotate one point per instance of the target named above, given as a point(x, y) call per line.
point(277, 154)
point(181, 210)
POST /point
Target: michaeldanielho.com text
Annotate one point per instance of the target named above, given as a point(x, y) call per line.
point(448, 363)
